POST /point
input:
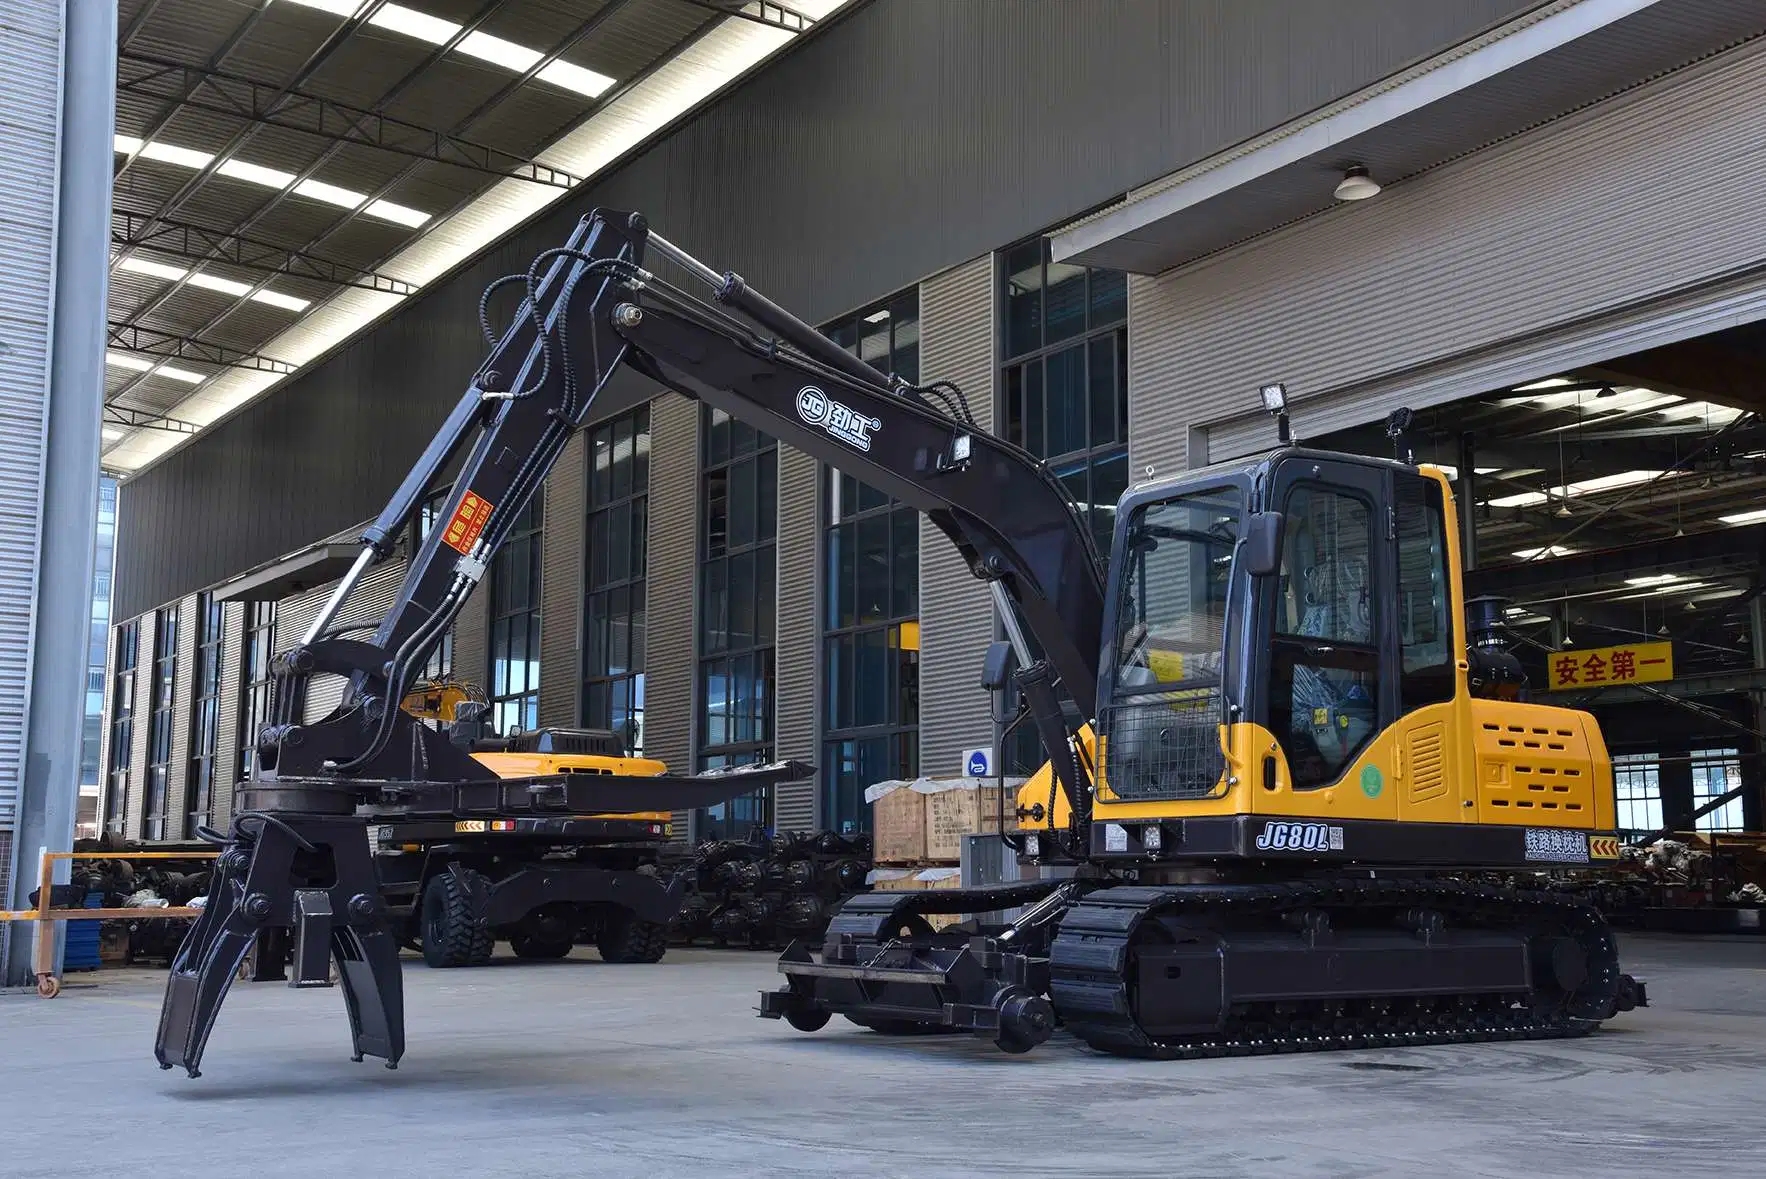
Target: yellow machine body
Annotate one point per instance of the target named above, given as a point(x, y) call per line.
point(1465, 760)
point(536, 765)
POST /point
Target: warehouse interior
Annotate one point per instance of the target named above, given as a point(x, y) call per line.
point(1615, 504)
point(959, 578)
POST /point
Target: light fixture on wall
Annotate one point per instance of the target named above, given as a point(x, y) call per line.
point(1356, 185)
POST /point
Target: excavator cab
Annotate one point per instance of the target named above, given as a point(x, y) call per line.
point(1287, 662)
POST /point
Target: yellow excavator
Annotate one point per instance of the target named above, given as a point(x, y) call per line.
point(1292, 800)
point(1300, 803)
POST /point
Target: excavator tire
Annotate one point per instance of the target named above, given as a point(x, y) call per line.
point(626, 939)
point(454, 932)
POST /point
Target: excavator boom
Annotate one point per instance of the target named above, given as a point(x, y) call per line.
point(298, 858)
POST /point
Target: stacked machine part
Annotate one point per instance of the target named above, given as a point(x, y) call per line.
point(920, 825)
point(763, 892)
point(147, 885)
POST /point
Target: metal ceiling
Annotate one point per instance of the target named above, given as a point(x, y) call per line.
point(273, 154)
point(1615, 458)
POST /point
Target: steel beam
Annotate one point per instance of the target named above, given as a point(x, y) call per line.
point(199, 243)
point(128, 337)
point(586, 29)
point(233, 95)
point(489, 9)
point(118, 415)
point(1744, 545)
point(777, 16)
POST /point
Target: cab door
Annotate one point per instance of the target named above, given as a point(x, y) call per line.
point(1330, 688)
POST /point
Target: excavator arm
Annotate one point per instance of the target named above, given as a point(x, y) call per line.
point(592, 307)
point(298, 858)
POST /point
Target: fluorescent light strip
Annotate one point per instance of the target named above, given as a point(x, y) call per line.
point(1553, 550)
point(517, 59)
point(212, 282)
point(718, 59)
point(1583, 487)
point(317, 190)
point(1753, 517)
point(137, 365)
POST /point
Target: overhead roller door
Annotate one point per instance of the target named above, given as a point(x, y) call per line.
point(1634, 223)
point(363, 612)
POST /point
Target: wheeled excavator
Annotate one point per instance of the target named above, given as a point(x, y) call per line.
point(1280, 759)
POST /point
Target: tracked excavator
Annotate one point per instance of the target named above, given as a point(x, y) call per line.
point(1279, 758)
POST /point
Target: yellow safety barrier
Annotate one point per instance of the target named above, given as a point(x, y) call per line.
point(48, 985)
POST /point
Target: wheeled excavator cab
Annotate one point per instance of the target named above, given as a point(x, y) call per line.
point(1287, 672)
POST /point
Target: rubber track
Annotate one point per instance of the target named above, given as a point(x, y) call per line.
point(631, 940)
point(1090, 960)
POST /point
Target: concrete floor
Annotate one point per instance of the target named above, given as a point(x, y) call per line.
point(581, 1068)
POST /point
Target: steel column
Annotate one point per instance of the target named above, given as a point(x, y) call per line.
point(50, 785)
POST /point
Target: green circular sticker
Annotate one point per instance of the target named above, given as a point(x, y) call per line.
point(1371, 783)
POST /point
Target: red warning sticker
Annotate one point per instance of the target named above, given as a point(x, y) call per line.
point(468, 523)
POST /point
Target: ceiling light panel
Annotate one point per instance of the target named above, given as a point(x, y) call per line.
point(435, 30)
point(212, 282)
point(267, 177)
point(1582, 487)
point(676, 85)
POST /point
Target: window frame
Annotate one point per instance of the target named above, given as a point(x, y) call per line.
point(719, 557)
point(160, 723)
point(526, 538)
point(122, 725)
point(256, 689)
point(205, 715)
point(604, 686)
point(1085, 464)
point(842, 511)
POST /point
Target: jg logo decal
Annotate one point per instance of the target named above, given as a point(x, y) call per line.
point(1302, 837)
point(845, 423)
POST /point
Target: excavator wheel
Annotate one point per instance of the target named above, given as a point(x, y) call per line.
point(626, 939)
point(1026, 1020)
point(526, 945)
point(454, 932)
point(808, 1021)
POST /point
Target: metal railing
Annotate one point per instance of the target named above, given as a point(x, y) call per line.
point(45, 914)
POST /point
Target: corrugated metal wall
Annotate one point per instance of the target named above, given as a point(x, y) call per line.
point(1021, 114)
point(956, 612)
point(366, 607)
point(30, 113)
point(671, 586)
point(796, 720)
point(561, 586)
point(1552, 244)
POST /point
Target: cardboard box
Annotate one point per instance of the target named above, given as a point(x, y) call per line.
point(898, 823)
point(934, 879)
point(894, 880)
point(966, 806)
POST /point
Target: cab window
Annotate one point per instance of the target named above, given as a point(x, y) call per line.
point(1325, 658)
point(1425, 616)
